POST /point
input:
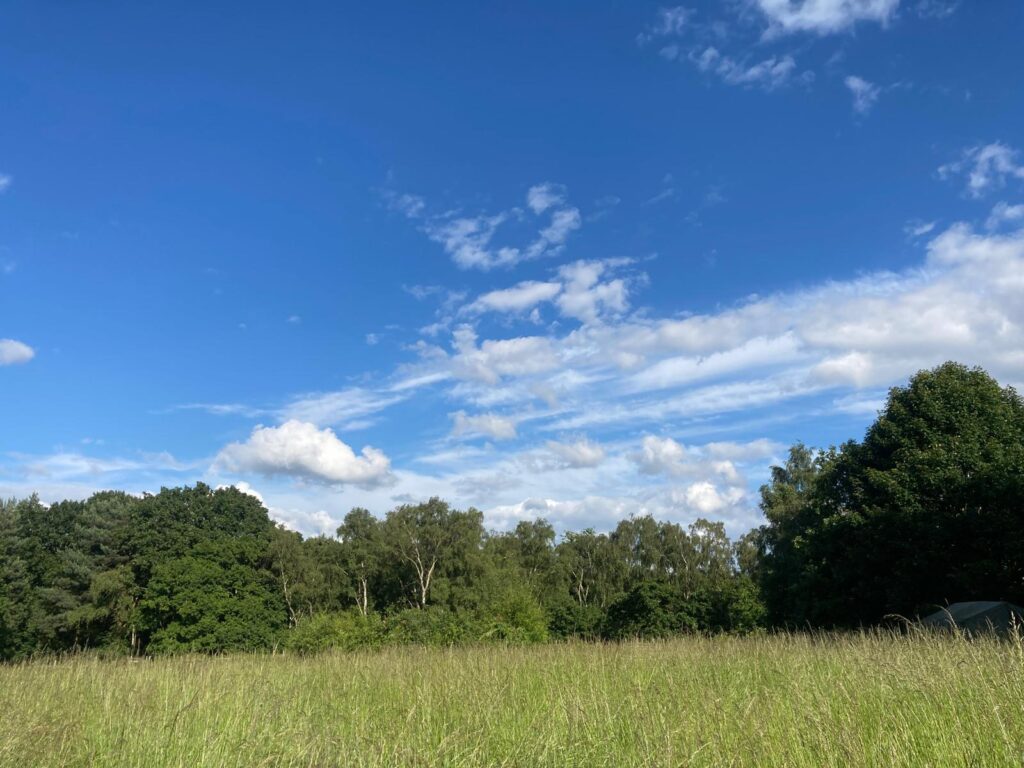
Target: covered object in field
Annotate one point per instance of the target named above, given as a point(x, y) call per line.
point(978, 616)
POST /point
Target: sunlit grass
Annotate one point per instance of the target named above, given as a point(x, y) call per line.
point(857, 700)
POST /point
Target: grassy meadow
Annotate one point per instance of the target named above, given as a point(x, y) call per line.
point(858, 700)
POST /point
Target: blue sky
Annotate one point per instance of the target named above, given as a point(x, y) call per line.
point(571, 260)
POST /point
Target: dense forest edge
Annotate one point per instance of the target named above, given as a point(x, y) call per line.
point(926, 510)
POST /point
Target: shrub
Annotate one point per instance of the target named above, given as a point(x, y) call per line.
point(516, 617)
point(347, 631)
point(650, 610)
point(432, 625)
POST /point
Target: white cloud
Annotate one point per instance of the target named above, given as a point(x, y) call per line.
point(1003, 213)
point(865, 94)
point(755, 353)
point(422, 291)
point(603, 512)
point(469, 240)
point(585, 297)
point(962, 303)
point(708, 500)
point(540, 197)
point(824, 16)
point(408, 205)
point(495, 359)
point(66, 465)
point(762, 448)
point(14, 352)
point(301, 450)
point(665, 456)
point(518, 298)
point(483, 425)
point(569, 514)
point(936, 9)
point(579, 293)
point(224, 409)
point(671, 21)
point(5, 182)
point(581, 453)
point(660, 455)
point(770, 73)
point(918, 228)
point(340, 408)
point(986, 167)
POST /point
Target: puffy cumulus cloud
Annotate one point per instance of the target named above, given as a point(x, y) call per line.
point(865, 94)
point(665, 456)
point(824, 16)
point(659, 454)
point(581, 453)
point(585, 297)
point(301, 450)
point(483, 425)
point(470, 240)
point(14, 352)
point(706, 499)
point(316, 522)
point(985, 167)
point(494, 359)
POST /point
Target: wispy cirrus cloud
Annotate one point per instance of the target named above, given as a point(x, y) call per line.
point(483, 425)
point(865, 94)
point(985, 167)
point(472, 241)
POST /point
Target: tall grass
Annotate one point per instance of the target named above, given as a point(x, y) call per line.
point(871, 699)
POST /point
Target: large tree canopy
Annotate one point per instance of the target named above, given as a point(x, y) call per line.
point(927, 509)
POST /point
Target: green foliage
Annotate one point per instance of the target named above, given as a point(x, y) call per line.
point(515, 616)
point(928, 509)
point(348, 630)
point(433, 625)
point(651, 610)
point(214, 599)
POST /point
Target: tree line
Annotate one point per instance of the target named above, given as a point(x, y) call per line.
point(926, 509)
